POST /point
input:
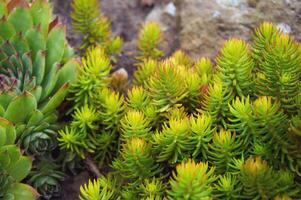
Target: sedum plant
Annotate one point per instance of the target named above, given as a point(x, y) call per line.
point(93, 26)
point(192, 181)
point(149, 38)
point(192, 129)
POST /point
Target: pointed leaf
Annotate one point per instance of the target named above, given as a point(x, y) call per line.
point(12, 152)
point(36, 117)
point(3, 10)
point(21, 25)
point(49, 81)
point(2, 136)
point(36, 42)
point(2, 111)
point(20, 108)
point(39, 67)
point(57, 99)
point(20, 44)
point(36, 92)
point(67, 73)
point(41, 14)
point(55, 48)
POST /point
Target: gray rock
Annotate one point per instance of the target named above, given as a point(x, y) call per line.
point(171, 9)
point(205, 25)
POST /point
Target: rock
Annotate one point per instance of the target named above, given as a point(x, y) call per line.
point(171, 9)
point(205, 25)
point(121, 72)
point(284, 28)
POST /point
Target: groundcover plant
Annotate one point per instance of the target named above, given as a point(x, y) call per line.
point(181, 129)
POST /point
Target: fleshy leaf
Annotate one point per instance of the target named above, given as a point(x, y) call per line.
point(20, 107)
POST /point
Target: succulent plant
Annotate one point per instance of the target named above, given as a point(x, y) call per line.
point(192, 129)
point(45, 177)
point(192, 181)
point(93, 26)
point(37, 69)
point(101, 188)
point(149, 38)
point(14, 167)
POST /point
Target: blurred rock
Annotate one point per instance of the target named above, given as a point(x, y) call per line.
point(122, 73)
point(171, 9)
point(205, 25)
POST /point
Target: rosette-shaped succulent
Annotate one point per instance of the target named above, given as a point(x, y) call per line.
point(36, 71)
point(45, 178)
point(13, 166)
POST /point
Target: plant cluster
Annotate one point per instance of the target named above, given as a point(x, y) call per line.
point(193, 129)
point(185, 129)
point(37, 68)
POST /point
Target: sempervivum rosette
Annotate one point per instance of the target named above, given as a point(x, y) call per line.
point(36, 69)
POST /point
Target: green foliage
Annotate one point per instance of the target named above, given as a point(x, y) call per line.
point(173, 143)
point(112, 109)
point(227, 187)
point(192, 129)
point(37, 69)
point(223, 149)
point(93, 26)
point(148, 41)
point(255, 172)
point(204, 68)
point(201, 135)
point(100, 188)
point(72, 141)
point(136, 162)
point(92, 76)
point(144, 71)
point(280, 64)
point(216, 103)
point(152, 189)
point(235, 65)
point(45, 178)
point(134, 124)
point(192, 181)
point(166, 86)
point(14, 167)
